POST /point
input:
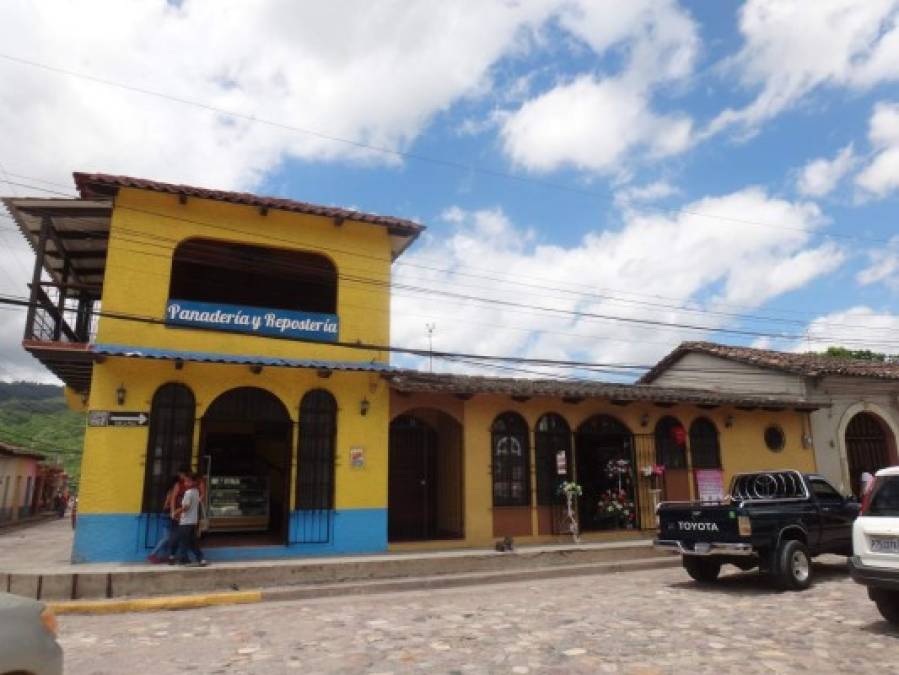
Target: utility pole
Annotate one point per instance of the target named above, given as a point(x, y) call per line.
point(430, 328)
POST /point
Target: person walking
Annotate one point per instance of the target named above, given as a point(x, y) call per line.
point(188, 519)
point(165, 549)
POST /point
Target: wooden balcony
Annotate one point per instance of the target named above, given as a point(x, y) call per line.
point(69, 238)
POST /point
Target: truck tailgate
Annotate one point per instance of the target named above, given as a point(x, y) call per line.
point(691, 523)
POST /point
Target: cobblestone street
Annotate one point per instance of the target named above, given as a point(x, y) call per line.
point(644, 622)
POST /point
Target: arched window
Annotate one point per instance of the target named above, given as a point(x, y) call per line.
point(315, 464)
point(671, 443)
point(552, 448)
point(511, 466)
point(170, 444)
point(221, 272)
point(704, 448)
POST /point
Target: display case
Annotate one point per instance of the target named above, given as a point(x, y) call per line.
point(238, 503)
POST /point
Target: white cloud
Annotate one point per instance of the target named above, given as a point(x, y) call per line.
point(795, 46)
point(881, 176)
point(644, 194)
point(594, 121)
point(820, 176)
point(858, 327)
point(883, 266)
point(590, 124)
point(373, 73)
point(655, 267)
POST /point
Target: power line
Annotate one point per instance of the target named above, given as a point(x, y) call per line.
point(717, 329)
point(449, 163)
point(592, 293)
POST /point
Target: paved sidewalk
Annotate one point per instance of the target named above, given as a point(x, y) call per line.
point(43, 545)
point(46, 547)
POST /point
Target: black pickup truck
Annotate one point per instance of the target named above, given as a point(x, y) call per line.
point(774, 520)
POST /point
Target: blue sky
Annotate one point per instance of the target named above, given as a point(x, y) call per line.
point(737, 159)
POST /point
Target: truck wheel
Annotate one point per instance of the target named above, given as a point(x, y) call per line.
point(794, 566)
point(703, 570)
point(888, 606)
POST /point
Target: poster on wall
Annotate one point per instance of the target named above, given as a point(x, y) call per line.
point(357, 458)
point(710, 484)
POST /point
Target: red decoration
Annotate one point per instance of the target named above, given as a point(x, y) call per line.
point(679, 434)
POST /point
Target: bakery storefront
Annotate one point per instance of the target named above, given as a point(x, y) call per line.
point(242, 337)
point(224, 333)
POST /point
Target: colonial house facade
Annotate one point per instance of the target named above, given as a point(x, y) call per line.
point(856, 425)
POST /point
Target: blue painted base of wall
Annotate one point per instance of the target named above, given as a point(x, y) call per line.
point(122, 537)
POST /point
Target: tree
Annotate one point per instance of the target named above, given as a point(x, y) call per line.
point(859, 355)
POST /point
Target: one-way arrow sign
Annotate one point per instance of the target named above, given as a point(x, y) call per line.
point(128, 419)
point(106, 418)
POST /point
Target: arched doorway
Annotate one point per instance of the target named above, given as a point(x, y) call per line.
point(424, 484)
point(604, 457)
point(246, 452)
point(671, 452)
point(552, 456)
point(869, 446)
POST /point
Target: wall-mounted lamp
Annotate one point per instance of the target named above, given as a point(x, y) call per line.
point(120, 394)
point(729, 421)
point(644, 419)
point(364, 405)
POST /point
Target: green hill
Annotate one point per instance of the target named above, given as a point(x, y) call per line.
point(35, 416)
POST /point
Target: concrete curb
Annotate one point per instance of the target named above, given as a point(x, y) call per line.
point(369, 587)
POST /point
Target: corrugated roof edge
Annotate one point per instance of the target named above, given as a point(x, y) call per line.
point(133, 351)
point(88, 183)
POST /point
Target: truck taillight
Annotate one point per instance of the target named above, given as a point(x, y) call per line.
point(866, 497)
point(744, 526)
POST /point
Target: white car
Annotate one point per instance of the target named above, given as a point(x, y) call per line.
point(875, 544)
point(28, 643)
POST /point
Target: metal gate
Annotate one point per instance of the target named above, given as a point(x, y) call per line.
point(866, 448)
point(169, 450)
point(313, 520)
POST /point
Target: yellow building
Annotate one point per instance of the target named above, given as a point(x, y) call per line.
point(244, 337)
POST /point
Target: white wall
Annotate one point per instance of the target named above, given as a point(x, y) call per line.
point(704, 371)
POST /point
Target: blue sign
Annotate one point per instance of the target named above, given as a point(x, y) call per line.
point(253, 320)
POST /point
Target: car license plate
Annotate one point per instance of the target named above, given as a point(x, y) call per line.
point(885, 544)
point(702, 547)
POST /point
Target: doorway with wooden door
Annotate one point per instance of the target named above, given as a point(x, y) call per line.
point(424, 493)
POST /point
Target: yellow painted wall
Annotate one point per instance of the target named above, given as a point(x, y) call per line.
point(742, 445)
point(147, 226)
point(114, 457)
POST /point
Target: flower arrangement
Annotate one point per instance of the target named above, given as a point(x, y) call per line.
point(618, 506)
point(570, 488)
point(571, 491)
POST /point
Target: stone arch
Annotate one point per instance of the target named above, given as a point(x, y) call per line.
point(890, 429)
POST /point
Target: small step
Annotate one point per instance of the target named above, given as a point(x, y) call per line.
point(350, 588)
point(81, 582)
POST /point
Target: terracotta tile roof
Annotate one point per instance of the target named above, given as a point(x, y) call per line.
point(808, 364)
point(16, 451)
point(100, 185)
point(465, 385)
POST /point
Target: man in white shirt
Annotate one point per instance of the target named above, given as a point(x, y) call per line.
point(188, 515)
